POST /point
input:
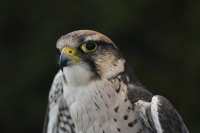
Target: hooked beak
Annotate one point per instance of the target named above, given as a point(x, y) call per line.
point(68, 56)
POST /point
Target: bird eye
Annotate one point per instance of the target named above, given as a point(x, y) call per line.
point(89, 47)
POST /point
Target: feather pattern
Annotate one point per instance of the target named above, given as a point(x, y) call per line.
point(110, 106)
point(57, 119)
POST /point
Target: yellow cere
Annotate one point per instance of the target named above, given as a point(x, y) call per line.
point(72, 54)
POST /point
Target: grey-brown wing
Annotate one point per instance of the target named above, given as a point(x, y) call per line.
point(58, 117)
point(165, 116)
point(46, 119)
point(160, 116)
point(52, 112)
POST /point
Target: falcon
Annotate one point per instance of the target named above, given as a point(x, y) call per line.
point(93, 92)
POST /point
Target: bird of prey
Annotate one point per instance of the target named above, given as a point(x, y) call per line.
point(93, 92)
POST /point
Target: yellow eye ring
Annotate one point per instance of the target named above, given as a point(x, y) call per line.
point(89, 47)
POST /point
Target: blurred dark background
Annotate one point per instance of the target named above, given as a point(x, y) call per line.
point(159, 38)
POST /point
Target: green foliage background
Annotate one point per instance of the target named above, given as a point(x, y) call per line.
point(159, 38)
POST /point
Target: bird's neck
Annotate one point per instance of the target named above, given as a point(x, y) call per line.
point(77, 75)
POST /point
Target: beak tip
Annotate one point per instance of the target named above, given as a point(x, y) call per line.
point(63, 61)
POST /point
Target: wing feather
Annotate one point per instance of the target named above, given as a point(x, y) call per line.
point(46, 119)
point(55, 94)
point(159, 116)
point(165, 117)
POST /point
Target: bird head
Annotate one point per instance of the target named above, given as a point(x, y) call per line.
point(87, 55)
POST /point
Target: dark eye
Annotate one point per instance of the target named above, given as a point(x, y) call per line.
point(89, 47)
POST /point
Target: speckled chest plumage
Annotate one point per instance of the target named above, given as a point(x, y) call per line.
point(99, 108)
